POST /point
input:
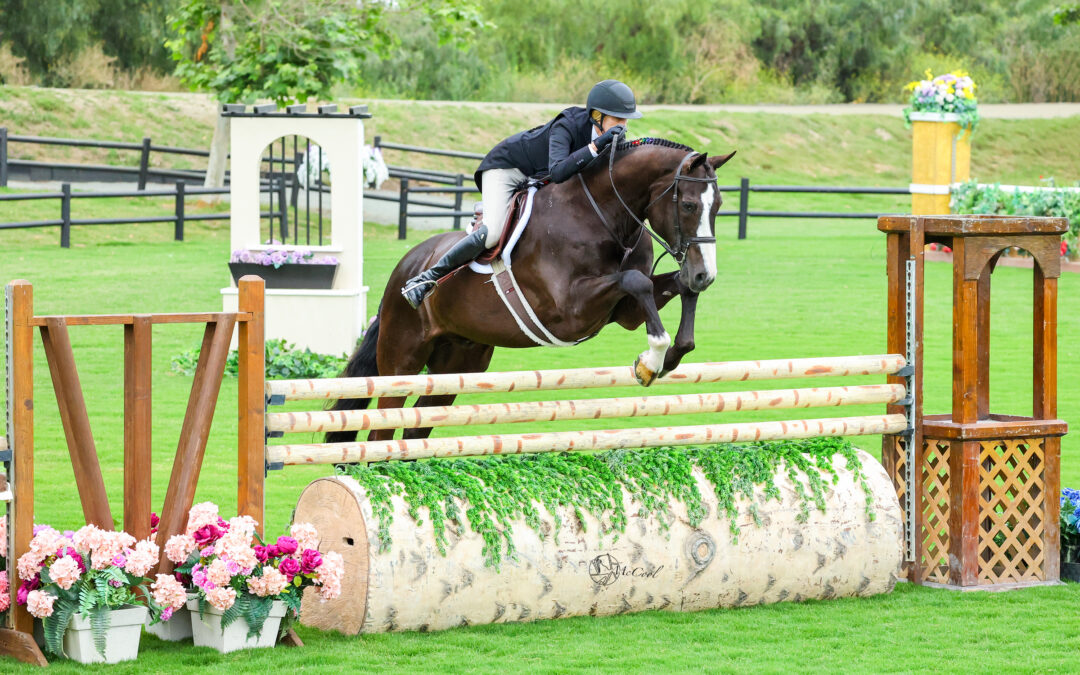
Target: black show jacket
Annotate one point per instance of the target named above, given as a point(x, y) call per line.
point(559, 148)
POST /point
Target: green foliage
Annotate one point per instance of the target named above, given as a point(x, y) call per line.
point(595, 484)
point(969, 197)
point(283, 361)
point(291, 50)
point(92, 597)
point(50, 34)
point(1067, 14)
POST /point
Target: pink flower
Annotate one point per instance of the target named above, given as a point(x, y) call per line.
point(287, 545)
point(5, 590)
point(76, 556)
point(262, 553)
point(271, 582)
point(154, 522)
point(64, 572)
point(207, 534)
point(169, 593)
point(46, 542)
point(40, 603)
point(88, 537)
point(30, 564)
point(25, 588)
point(119, 560)
point(201, 581)
point(305, 535)
point(179, 547)
point(143, 558)
point(221, 598)
point(309, 560)
point(205, 513)
point(206, 552)
point(3, 538)
point(289, 567)
point(330, 574)
point(236, 547)
point(218, 573)
point(243, 526)
point(166, 613)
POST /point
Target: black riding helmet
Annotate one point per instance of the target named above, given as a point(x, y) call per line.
point(614, 98)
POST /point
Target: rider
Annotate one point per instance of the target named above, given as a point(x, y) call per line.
point(561, 148)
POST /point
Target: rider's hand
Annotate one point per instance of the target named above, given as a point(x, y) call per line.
point(604, 139)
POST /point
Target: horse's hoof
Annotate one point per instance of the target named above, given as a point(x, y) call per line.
point(642, 374)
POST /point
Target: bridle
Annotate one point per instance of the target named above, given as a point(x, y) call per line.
point(682, 245)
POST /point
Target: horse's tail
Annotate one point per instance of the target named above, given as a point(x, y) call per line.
point(361, 364)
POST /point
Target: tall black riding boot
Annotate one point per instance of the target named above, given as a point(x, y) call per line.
point(417, 288)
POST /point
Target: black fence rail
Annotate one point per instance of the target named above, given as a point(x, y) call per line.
point(142, 173)
point(179, 217)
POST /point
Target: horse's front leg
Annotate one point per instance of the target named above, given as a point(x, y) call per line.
point(684, 337)
point(650, 362)
point(630, 314)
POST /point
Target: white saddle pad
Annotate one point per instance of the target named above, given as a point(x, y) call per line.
point(519, 227)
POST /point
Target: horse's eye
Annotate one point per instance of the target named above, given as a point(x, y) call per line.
point(688, 206)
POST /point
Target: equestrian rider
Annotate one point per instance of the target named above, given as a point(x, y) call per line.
point(561, 148)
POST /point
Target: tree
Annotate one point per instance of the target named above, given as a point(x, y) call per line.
point(51, 34)
point(291, 50)
point(1067, 14)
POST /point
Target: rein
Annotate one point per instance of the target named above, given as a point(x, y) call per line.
point(682, 245)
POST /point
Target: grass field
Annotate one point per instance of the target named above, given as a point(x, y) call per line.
point(795, 288)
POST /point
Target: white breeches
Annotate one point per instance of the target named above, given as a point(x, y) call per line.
point(499, 187)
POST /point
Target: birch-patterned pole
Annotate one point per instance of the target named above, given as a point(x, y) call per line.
point(582, 409)
point(607, 439)
point(578, 378)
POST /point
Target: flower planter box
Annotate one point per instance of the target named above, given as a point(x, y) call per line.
point(206, 630)
point(121, 640)
point(319, 277)
point(176, 628)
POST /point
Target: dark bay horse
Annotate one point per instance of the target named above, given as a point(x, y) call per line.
point(579, 272)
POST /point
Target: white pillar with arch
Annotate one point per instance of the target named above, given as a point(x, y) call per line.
point(327, 321)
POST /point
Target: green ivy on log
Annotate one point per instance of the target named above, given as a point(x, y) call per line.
point(495, 491)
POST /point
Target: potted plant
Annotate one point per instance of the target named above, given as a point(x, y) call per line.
point(285, 267)
point(87, 588)
point(940, 110)
point(1070, 534)
point(246, 596)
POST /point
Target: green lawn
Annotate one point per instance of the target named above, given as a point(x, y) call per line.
point(795, 288)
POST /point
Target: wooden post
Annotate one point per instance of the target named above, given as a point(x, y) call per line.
point(1045, 407)
point(744, 206)
point(20, 303)
point(251, 402)
point(178, 229)
point(80, 440)
point(138, 499)
point(144, 163)
point(195, 431)
point(65, 215)
point(403, 208)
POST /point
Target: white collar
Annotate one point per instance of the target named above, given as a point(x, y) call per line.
point(595, 134)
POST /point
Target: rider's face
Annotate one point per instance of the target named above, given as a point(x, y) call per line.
point(610, 121)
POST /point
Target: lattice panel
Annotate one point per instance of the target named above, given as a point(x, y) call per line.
point(934, 518)
point(1011, 511)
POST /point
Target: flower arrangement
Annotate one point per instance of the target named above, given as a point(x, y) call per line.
point(1070, 524)
point(89, 572)
point(228, 573)
point(949, 93)
point(277, 256)
point(5, 588)
point(1048, 199)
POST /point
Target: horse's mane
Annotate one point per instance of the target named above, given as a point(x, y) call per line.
point(662, 142)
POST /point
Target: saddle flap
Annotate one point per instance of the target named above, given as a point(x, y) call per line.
point(517, 205)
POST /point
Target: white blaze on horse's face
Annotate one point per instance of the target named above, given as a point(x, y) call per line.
point(708, 251)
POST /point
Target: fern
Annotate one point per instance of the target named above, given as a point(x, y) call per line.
point(56, 625)
point(99, 624)
point(256, 611)
point(87, 600)
point(229, 616)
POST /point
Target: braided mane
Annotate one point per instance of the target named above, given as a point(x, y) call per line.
point(662, 142)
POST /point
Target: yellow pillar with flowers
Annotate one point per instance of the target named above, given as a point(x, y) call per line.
point(942, 114)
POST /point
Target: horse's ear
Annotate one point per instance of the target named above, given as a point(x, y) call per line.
point(697, 161)
point(720, 160)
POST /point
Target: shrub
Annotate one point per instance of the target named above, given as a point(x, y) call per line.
point(283, 361)
point(970, 197)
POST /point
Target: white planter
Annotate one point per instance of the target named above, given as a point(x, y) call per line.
point(206, 630)
point(177, 628)
point(121, 639)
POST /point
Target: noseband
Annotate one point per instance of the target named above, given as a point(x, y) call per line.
point(682, 245)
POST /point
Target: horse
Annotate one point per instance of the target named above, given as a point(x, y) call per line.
point(585, 260)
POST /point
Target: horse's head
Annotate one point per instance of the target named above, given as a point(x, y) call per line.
point(683, 213)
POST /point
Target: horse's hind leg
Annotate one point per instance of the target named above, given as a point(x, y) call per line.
point(451, 355)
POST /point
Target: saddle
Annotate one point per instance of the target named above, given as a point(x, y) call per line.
point(514, 213)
